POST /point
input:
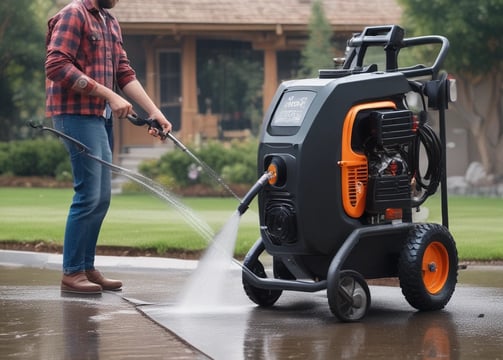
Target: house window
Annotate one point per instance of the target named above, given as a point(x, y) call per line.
point(288, 64)
point(169, 70)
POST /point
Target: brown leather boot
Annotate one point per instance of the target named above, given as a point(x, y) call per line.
point(78, 283)
point(107, 284)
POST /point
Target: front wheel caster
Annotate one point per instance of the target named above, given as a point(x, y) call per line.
point(349, 297)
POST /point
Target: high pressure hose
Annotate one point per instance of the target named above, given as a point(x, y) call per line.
point(250, 195)
point(433, 147)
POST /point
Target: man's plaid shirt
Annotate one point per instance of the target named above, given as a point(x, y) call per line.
point(81, 41)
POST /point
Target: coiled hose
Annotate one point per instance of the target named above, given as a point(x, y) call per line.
point(434, 153)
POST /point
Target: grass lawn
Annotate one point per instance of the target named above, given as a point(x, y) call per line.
point(476, 224)
point(144, 221)
point(139, 220)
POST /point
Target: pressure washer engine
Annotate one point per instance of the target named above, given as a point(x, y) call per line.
point(350, 159)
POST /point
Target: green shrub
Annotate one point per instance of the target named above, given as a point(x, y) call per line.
point(39, 157)
point(242, 165)
point(64, 171)
point(131, 187)
point(4, 158)
point(24, 158)
point(239, 173)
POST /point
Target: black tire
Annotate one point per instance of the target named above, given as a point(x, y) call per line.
point(428, 267)
point(349, 300)
point(261, 297)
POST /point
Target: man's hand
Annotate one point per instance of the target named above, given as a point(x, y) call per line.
point(121, 108)
point(161, 119)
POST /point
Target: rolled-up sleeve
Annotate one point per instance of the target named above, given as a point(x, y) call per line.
point(125, 73)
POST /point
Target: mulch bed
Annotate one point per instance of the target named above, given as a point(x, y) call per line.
point(32, 181)
point(50, 247)
point(196, 190)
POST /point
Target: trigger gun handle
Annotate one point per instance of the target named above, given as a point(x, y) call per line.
point(154, 124)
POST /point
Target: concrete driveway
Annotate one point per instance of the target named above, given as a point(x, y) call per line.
point(146, 321)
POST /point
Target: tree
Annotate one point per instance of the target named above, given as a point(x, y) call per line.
point(22, 54)
point(474, 30)
point(318, 53)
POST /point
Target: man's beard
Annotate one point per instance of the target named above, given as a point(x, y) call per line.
point(106, 4)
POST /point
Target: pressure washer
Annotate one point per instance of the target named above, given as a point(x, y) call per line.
point(349, 162)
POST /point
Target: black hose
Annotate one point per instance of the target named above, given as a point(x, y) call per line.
point(433, 147)
point(250, 195)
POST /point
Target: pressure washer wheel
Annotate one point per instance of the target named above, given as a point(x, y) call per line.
point(261, 297)
point(428, 267)
point(349, 300)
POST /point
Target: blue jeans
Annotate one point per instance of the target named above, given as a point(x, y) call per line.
point(92, 186)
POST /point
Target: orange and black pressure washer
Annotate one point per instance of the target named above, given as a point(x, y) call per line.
point(349, 161)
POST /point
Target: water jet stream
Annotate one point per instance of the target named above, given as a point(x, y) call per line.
point(205, 291)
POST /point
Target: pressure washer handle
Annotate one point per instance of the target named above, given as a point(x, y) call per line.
point(152, 124)
point(156, 126)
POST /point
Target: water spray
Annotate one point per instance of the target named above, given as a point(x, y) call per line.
point(212, 268)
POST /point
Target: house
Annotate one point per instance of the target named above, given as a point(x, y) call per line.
point(176, 46)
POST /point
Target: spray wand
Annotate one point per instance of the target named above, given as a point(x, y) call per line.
point(154, 124)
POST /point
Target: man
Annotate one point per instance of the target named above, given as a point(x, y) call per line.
point(85, 63)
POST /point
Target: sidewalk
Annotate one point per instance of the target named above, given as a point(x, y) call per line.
point(117, 263)
point(40, 322)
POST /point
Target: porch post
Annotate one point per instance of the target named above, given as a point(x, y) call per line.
point(189, 88)
point(150, 59)
point(270, 76)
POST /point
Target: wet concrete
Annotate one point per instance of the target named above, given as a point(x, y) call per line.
point(143, 320)
point(39, 322)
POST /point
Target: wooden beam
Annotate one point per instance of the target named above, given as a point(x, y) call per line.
point(270, 77)
point(189, 88)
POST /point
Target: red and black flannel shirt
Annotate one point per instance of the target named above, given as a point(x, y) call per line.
point(79, 42)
